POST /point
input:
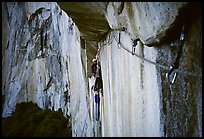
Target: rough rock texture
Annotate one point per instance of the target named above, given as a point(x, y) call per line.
point(181, 103)
point(89, 18)
point(41, 61)
point(148, 21)
point(138, 100)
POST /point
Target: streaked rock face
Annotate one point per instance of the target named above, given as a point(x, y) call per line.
point(41, 61)
point(131, 94)
point(138, 100)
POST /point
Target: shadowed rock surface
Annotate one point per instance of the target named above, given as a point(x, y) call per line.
point(30, 121)
point(47, 55)
point(89, 18)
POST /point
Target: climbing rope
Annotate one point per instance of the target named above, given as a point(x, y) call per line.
point(89, 109)
point(157, 64)
point(86, 118)
point(84, 123)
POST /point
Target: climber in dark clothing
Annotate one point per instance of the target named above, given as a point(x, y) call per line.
point(97, 87)
point(98, 82)
point(94, 67)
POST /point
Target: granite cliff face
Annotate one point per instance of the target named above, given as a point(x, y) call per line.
point(138, 100)
point(149, 21)
point(47, 53)
point(41, 61)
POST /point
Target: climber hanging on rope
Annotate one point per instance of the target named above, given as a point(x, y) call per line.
point(94, 67)
point(97, 88)
point(98, 82)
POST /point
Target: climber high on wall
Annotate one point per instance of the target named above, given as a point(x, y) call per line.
point(94, 67)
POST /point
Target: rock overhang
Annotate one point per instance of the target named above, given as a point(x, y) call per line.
point(151, 22)
point(89, 18)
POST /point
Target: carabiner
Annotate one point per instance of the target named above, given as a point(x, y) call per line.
point(174, 78)
point(134, 45)
point(133, 50)
point(169, 73)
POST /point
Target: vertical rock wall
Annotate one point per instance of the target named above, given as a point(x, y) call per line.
point(147, 20)
point(41, 61)
point(138, 100)
point(181, 103)
point(131, 94)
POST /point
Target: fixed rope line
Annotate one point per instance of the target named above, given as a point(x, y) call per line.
point(86, 117)
point(84, 123)
point(157, 64)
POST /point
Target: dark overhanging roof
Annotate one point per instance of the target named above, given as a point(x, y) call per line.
point(89, 18)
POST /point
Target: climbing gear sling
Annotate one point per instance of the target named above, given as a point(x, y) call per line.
point(119, 41)
point(176, 62)
point(185, 73)
point(134, 46)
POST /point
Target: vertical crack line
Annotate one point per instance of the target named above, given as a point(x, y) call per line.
point(142, 67)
